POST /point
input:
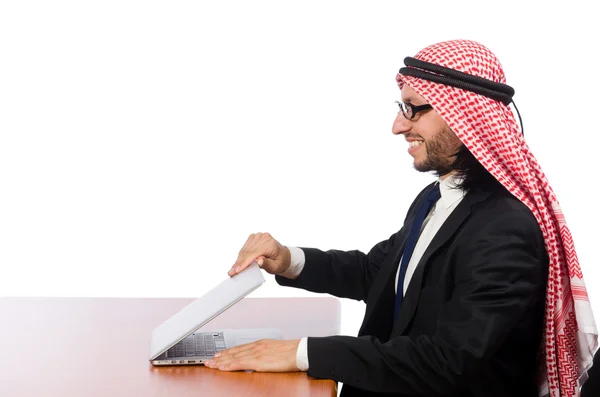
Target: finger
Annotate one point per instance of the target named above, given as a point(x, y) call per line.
point(247, 255)
point(252, 250)
point(226, 360)
point(239, 365)
point(238, 268)
point(223, 360)
point(239, 355)
point(237, 349)
point(240, 264)
point(249, 241)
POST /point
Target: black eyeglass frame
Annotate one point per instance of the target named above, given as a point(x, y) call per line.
point(413, 109)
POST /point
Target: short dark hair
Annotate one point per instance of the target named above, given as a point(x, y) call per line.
point(471, 172)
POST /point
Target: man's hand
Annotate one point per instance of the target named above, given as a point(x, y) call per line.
point(271, 256)
point(265, 355)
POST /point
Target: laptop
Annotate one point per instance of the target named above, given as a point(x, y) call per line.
point(177, 342)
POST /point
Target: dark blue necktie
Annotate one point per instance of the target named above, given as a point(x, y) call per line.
point(415, 230)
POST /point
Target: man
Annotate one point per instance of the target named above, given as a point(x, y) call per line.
point(480, 292)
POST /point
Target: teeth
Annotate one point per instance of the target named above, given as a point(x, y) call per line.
point(414, 143)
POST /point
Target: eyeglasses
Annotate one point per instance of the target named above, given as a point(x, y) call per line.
point(410, 111)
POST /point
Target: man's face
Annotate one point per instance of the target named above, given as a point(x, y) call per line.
point(431, 141)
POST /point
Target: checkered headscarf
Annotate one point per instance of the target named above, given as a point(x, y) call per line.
point(488, 128)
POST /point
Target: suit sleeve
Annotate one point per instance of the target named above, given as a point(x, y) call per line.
point(499, 278)
point(346, 274)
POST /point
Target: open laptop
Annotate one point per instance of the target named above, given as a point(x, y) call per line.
point(176, 342)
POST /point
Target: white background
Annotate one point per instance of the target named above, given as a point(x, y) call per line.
point(141, 142)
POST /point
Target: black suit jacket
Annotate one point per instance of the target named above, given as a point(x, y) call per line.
point(472, 318)
point(591, 387)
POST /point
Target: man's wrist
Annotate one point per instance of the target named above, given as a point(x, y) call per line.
point(297, 260)
point(302, 355)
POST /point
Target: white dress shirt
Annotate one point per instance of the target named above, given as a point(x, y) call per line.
point(450, 198)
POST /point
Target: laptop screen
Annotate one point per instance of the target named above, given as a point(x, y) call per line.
point(204, 309)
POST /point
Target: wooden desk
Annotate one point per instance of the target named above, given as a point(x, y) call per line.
point(63, 347)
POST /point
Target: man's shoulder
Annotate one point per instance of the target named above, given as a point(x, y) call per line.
point(500, 198)
point(502, 204)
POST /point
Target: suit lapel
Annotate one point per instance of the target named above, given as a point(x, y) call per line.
point(449, 227)
point(381, 296)
point(380, 304)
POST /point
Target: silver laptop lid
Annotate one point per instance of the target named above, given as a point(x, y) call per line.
point(204, 309)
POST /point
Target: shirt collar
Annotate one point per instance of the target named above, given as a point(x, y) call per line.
point(450, 194)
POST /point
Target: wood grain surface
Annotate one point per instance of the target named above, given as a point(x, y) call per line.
point(60, 347)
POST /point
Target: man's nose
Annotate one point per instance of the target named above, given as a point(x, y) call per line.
point(401, 125)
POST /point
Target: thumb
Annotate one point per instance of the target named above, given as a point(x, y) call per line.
point(268, 265)
point(260, 261)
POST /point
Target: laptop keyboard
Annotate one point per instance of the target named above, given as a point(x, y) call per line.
point(199, 344)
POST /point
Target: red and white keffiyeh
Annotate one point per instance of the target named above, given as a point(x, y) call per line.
point(489, 130)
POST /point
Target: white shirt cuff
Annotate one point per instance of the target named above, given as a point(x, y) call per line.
point(297, 260)
point(302, 355)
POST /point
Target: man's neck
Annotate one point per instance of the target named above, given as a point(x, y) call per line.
point(446, 175)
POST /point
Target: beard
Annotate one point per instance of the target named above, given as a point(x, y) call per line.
point(441, 153)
